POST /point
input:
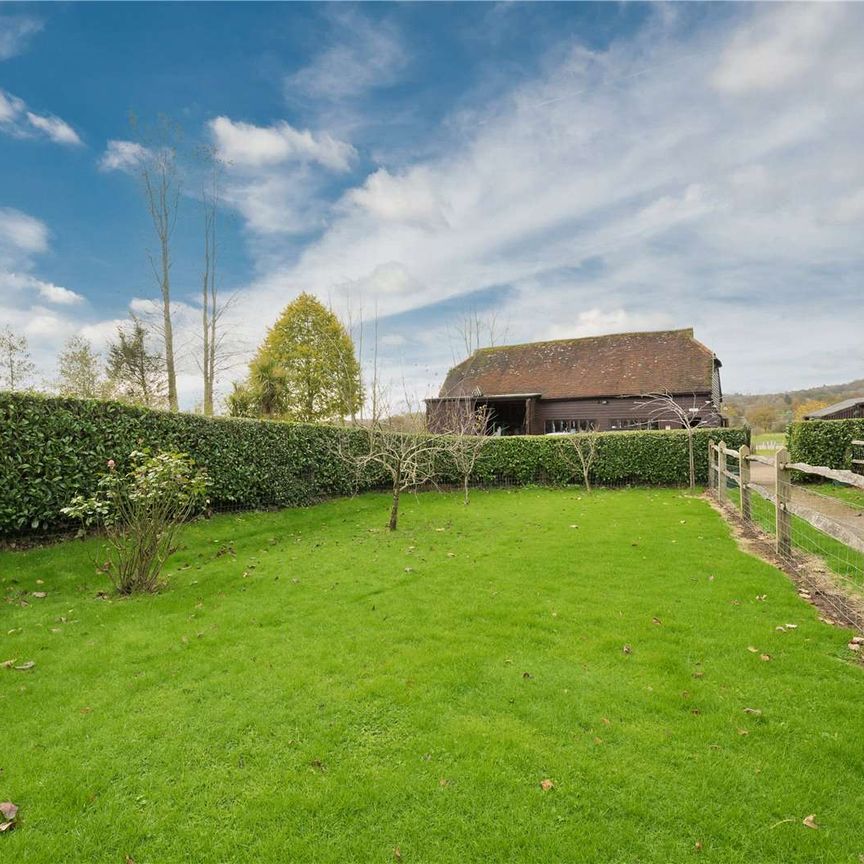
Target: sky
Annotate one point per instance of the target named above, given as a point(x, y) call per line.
point(568, 169)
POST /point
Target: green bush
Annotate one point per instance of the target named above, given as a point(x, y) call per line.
point(824, 442)
point(52, 449)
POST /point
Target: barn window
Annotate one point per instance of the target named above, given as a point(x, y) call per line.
point(633, 423)
point(563, 426)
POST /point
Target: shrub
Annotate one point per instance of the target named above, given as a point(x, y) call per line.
point(141, 512)
point(52, 449)
point(824, 442)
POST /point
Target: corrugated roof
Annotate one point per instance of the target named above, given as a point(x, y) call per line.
point(615, 365)
point(837, 406)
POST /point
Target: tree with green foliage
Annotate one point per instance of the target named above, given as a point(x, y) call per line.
point(135, 374)
point(16, 366)
point(306, 369)
point(79, 372)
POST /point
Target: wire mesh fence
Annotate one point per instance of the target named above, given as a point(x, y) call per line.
point(816, 530)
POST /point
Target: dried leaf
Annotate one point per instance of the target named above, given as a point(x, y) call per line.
point(39, 594)
point(26, 667)
point(755, 712)
point(397, 854)
point(8, 664)
point(627, 649)
point(752, 650)
point(810, 821)
point(765, 657)
point(6, 826)
point(546, 785)
point(656, 620)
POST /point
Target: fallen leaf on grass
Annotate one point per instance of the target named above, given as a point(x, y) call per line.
point(27, 666)
point(810, 821)
point(656, 620)
point(39, 594)
point(755, 712)
point(752, 650)
point(8, 664)
point(9, 812)
point(627, 649)
point(546, 785)
point(765, 657)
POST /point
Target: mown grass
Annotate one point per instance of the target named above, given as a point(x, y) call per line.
point(768, 443)
point(848, 494)
point(312, 689)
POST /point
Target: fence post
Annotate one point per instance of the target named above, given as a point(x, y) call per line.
point(710, 466)
point(782, 494)
point(721, 470)
point(744, 480)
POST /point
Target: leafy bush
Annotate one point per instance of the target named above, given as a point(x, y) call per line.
point(52, 449)
point(141, 512)
point(824, 442)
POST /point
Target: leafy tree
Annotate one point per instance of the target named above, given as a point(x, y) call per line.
point(764, 418)
point(78, 368)
point(306, 369)
point(808, 406)
point(16, 366)
point(135, 374)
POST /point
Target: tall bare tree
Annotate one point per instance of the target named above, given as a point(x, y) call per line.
point(162, 185)
point(690, 415)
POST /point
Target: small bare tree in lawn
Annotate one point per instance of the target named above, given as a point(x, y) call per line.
point(407, 460)
point(664, 407)
point(580, 452)
point(465, 428)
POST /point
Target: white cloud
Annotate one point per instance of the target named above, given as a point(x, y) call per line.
point(122, 156)
point(647, 185)
point(21, 235)
point(31, 286)
point(19, 122)
point(15, 33)
point(56, 129)
point(362, 55)
point(244, 144)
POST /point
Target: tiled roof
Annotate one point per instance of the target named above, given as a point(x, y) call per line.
point(617, 365)
point(837, 406)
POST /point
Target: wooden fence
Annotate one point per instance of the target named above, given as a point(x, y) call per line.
point(719, 477)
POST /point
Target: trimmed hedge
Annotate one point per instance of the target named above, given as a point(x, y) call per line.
point(54, 448)
point(824, 442)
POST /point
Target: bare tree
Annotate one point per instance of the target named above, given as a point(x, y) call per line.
point(465, 427)
point(664, 407)
point(409, 461)
point(16, 365)
point(162, 186)
point(580, 452)
point(217, 355)
point(475, 330)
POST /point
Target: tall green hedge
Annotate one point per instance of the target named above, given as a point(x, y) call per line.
point(824, 442)
point(54, 448)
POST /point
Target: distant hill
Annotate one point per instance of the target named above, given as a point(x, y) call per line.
point(771, 412)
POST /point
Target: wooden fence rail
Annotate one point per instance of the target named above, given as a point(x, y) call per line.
point(719, 477)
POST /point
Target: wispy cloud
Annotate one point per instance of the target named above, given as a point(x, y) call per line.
point(18, 121)
point(712, 172)
point(362, 54)
point(15, 34)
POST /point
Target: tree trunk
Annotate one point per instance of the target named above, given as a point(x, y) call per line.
point(692, 461)
point(394, 510)
point(166, 326)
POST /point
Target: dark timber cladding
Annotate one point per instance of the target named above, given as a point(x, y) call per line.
point(573, 385)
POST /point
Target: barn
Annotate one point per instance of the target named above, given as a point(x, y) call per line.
point(573, 385)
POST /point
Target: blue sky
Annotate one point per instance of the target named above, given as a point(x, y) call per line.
point(571, 169)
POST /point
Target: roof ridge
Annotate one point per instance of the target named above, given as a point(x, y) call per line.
point(688, 330)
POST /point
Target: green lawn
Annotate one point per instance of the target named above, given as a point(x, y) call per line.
point(312, 689)
point(768, 443)
point(850, 494)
